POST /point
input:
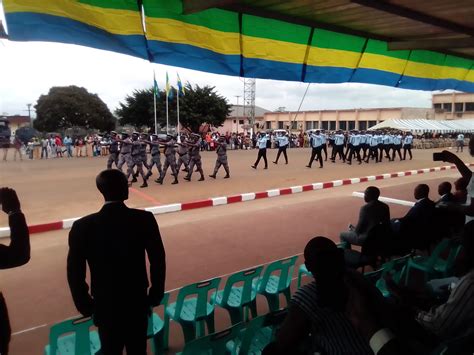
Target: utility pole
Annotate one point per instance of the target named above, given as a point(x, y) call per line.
point(29, 110)
point(249, 101)
point(237, 111)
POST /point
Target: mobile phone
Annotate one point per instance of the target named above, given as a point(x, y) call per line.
point(438, 156)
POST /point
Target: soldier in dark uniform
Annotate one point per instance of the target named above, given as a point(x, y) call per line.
point(125, 150)
point(183, 155)
point(143, 153)
point(194, 157)
point(155, 155)
point(136, 159)
point(170, 160)
point(221, 151)
point(113, 151)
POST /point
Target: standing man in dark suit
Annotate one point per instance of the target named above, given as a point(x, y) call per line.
point(371, 214)
point(114, 242)
point(16, 254)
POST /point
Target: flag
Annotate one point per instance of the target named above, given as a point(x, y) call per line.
point(180, 86)
point(156, 91)
point(169, 88)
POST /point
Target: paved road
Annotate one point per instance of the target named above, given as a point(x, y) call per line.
point(200, 244)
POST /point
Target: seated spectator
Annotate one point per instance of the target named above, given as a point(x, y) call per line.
point(460, 192)
point(318, 308)
point(371, 214)
point(444, 191)
point(16, 254)
point(417, 229)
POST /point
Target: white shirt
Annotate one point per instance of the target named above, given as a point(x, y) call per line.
point(460, 137)
point(282, 140)
point(323, 138)
point(397, 140)
point(355, 140)
point(408, 140)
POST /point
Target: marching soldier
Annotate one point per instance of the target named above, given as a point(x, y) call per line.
point(113, 151)
point(283, 142)
point(170, 160)
point(125, 150)
point(355, 148)
point(136, 160)
point(373, 148)
point(155, 155)
point(194, 157)
point(338, 147)
point(387, 145)
point(324, 138)
point(364, 144)
point(221, 151)
point(380, 145)
point(407, 142)
point(183, 156)
point(397, 145)
point(143, 153)
point(262, 150)
point(317, 147)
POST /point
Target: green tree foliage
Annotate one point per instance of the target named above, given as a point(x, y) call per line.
point(200, 105)
point(70, 106)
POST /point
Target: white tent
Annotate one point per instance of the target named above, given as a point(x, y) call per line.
point(422, 125)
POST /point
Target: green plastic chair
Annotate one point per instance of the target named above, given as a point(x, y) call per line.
point(396, 268)
point(258, 333)
point(192, 312)
point(237, 299)
point(271, 285)
point(302, 271)
point(215, 344)
point(445, 266)
point(158, 329)
point(427, 264)
point(73, 336)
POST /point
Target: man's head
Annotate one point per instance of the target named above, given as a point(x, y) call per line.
point(444, 188)
point(135, 136)
point(324, 259)
point(461, 184)
point(371, 193)
point(422, 191)
point(113, 185)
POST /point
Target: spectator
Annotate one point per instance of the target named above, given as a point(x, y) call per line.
point(468, 209)
point(371, 214)
point(319, 307)
point(44, 148)
point(115, 253)
point(444, 191)
point(16, 254)
point(460, 193)
point(59, 146)
point(17, 148)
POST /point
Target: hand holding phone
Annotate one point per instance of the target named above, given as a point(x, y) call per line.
point(439, 156)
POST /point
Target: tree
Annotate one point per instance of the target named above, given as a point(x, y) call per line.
point(69, 106)
point(200, 105)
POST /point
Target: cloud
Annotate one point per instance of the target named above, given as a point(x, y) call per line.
point(29, 69)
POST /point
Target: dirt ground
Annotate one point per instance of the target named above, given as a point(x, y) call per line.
point(200, 244)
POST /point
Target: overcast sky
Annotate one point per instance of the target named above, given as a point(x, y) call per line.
point(29, 69)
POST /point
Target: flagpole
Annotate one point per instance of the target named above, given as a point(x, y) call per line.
point(167, 130)
point(155, 92)
point(177, 128)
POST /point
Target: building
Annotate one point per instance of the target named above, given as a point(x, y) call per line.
point(17, 121)
point(237, 122)
point(452, 106)
point(349, 119)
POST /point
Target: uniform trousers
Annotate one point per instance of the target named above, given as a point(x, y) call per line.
point(135, 161)
point(407, 148)
point(338, 150)
point(282, 150)
point(195, 161)
point(113, 159)
point(170, 161)
point(397, 149)
point(373, 153)
point(221, 161)
point(155, 161)
point(183, 160)
point(316, 154)
point(262, 153)
point(123, 158)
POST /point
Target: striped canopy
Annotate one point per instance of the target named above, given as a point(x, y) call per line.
point(230, 43)
point(422, 125)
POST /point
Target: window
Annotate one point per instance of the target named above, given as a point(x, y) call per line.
point(324, 125)
point(308, 125)
point(343, 125)
point(458, 106)
point(280, 124)
point(241, 121)
point(315, 124)
point(447, 107)
point(372, 123)
point(294, 125)
point(437, 106)
point(235, 121)
point(362, 125)
point(352, 125)
point(268, 125)
point(469, 106)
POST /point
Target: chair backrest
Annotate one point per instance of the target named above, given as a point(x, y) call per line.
point(272, 320)
point(164, 303)
point(214, 343)
point(442, 246)
point(284, 267)
point(453, 255)
point(79, 327)
point(247, 277)
point(201, 290)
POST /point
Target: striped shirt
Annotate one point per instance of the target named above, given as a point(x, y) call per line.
point(331, 331)
point(456, 315)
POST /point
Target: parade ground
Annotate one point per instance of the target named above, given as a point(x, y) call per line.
point(201, 243)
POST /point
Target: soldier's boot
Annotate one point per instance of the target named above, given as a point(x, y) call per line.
point(134, 178)
point(213, 175)
point(202, 178)
point(187, 178)
point(159, 181)
point(148, 174)
point(175, 181)
point(227, 174)
point(144, 183)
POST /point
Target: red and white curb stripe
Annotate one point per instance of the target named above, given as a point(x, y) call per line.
point(225, 200)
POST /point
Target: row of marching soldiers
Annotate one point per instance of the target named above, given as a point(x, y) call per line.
point(132, 151)
point(373, 145)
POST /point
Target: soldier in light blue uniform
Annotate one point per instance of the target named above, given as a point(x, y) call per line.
point(283, 143)
point(324, 138)
point(262, 149)
point(397, 145)
point(386, 140)
point(317, 147)
point(338, 147)
point(407, 142)
point(373, 148)
point(355, 148)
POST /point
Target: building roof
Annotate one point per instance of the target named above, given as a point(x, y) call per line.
point(17, 119)
point(422, 126)
point(238, 111)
